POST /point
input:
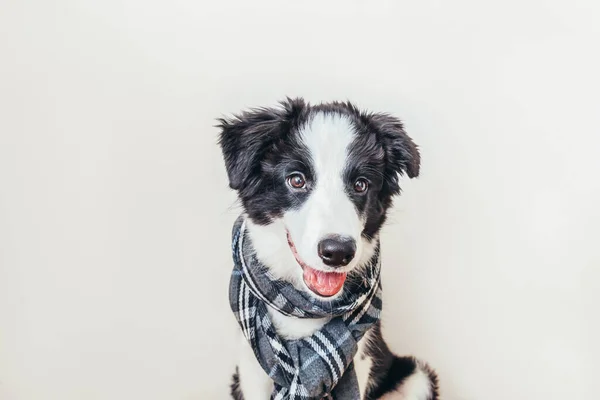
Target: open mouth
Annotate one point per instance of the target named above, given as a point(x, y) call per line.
point(325, 284)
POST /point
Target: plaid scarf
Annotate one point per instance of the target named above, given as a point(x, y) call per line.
point(315, 367)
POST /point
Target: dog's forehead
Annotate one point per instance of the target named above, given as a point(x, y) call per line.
point(334, 139)
point(328, 136)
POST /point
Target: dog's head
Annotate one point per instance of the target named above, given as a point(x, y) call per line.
point(316, 183)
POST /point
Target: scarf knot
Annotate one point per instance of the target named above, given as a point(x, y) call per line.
point(315, 367)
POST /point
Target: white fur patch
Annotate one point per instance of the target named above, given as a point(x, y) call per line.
point(272, 249)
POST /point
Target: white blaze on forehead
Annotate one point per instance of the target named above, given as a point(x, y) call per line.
point(328, 209)
point(327, 137)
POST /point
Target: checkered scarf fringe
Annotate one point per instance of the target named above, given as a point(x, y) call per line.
point(315, 367)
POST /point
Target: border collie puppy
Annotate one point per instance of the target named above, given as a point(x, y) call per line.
point(315, 183)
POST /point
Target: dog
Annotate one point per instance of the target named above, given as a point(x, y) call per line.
point(315, 183)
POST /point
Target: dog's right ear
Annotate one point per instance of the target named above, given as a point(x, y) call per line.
point(246, 137)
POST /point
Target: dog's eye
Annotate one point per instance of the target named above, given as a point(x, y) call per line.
point(296, 180)
point(361, 185)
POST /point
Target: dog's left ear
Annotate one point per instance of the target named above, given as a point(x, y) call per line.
point(246, 138)
point(402, 154)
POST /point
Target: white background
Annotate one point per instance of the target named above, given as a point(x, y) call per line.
point(115, 213)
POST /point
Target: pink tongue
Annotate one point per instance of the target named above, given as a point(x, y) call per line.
point(324, 283)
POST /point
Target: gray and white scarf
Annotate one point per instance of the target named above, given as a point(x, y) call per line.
point(315, 367)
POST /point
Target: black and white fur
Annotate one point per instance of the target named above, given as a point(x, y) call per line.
point(332, 145)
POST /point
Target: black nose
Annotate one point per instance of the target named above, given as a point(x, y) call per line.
point(337, 251)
